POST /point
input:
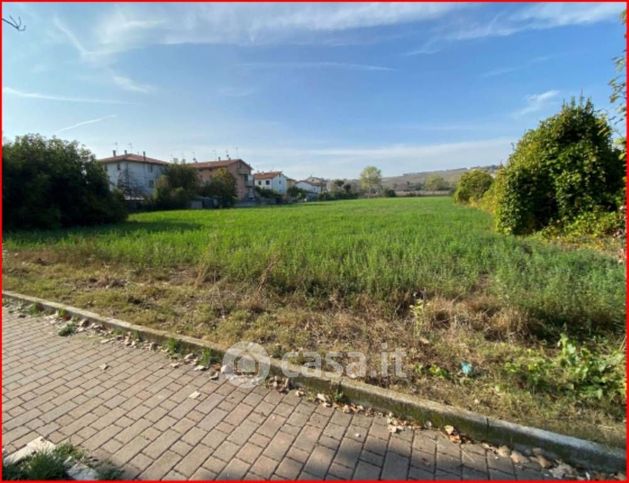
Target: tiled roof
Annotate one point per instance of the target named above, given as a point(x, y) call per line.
point(132, 157)
point(218, 164)
point(267, 175)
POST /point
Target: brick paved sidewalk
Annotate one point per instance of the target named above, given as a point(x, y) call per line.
point(138, 414)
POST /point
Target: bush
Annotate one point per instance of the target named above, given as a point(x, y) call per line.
point(268, 194)
point(472, 186)
point(566, 167)
point(51, 183)
point(297, 193)
point(176, 187)
point(222, 186)
point(389, 193)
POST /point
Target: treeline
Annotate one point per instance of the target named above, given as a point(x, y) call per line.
point(52, 183)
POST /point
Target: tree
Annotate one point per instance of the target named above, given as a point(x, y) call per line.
point(16, 24)
point(51, 183)
point(619, 83)
point(619, 94)
point(297, 193)
point(436, 183)
point(472, 186)
point(564, 168)
point(371, 180)
point(221, 186)
point(176, 187)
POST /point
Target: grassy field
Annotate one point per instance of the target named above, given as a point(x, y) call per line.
point(419, 273)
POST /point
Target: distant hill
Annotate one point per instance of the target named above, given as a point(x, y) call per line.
point(411, 180)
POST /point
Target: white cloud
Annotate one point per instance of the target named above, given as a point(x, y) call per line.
point(537, 102)
point(131, 85)
point(558, 14)
point(9, 91)
point(129, 26)
point(85, 123)
point(532, 17)
point(541, 16)
point(317, 65)
point(99, 59)
point(508, 70)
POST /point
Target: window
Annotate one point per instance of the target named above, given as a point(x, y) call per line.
point(118, 166)
point(151, 183)
point(268, 182)
point(151, 168)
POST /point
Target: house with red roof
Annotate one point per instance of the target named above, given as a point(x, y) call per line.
point(134, 174)
point(272, 180)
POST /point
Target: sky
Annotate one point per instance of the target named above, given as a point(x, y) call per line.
point(320, 89)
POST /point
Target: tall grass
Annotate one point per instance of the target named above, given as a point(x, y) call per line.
point(389, 251)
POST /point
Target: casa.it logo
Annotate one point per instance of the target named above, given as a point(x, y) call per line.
point(246, 364)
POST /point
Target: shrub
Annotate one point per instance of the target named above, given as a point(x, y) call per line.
point(436, 183)
point(296, 193)
point(565, 167)
point(472, 186)
point(51, 183)
point(222, 186)
point(389, 193)
point(176, 187)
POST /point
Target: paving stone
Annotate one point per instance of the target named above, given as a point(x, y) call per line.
point(138, 412)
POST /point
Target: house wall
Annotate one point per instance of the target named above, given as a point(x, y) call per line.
point(138, 176)
point(240, 171)
point(310, 188)
point(279, 184)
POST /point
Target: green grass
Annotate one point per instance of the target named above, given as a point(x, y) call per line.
point(390, 251)
point(422, 274)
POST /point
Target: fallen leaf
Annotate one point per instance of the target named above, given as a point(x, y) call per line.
point(503, 451)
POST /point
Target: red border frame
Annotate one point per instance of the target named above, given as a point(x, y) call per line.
point(332, 1)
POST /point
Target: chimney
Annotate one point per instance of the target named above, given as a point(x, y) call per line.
point(114, 153)
point(219, 158)
point(125, 152)
point(144, 155)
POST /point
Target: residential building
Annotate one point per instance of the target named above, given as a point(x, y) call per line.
point(322, 183)
point(240, 170)
point(272, 180)
point(309, 187)
point(134, 174)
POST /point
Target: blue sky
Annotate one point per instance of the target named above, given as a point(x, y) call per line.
point(311, 89)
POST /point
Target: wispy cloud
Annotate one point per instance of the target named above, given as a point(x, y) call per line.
point(131, 85)
point(100, 58)
point(515, 68)
point(531, 17)
point(537, 102)
point(263, 23)
point(9, 91)
point(85, 123)
point(316, 65)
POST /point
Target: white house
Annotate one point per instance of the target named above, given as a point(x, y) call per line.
point(271, 180)
point(309, 187)
point(135, 175)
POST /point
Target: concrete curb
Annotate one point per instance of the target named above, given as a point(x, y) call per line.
point(571, 450)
